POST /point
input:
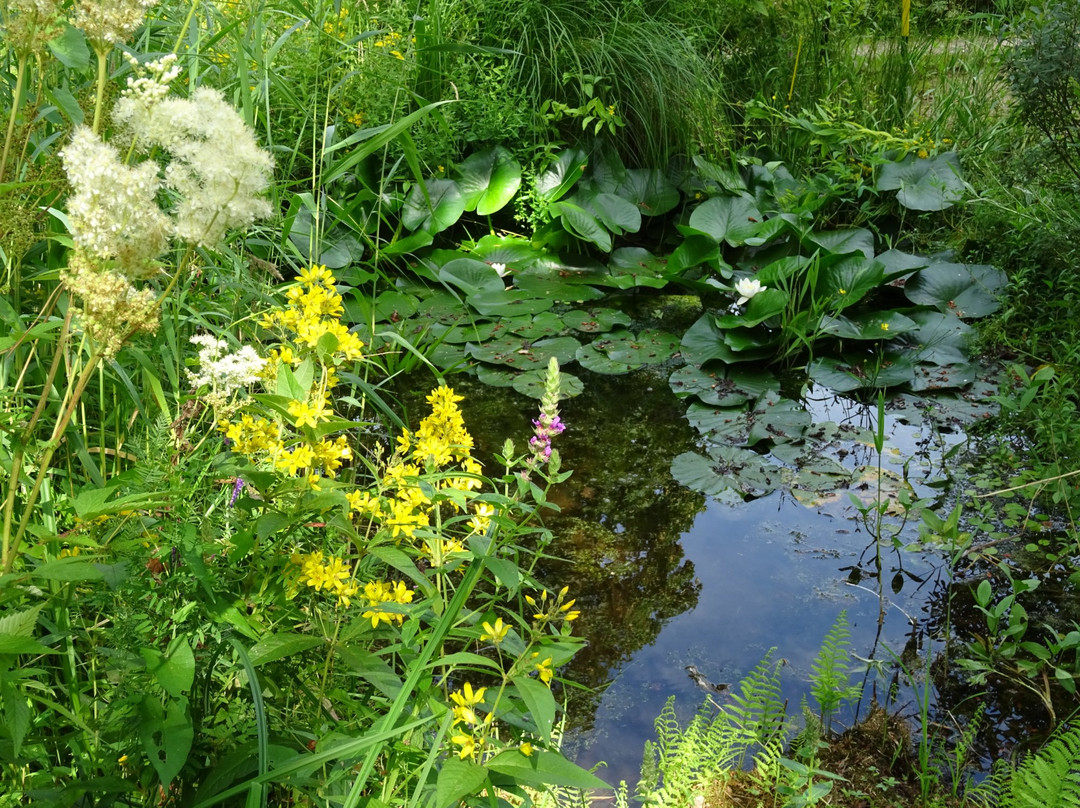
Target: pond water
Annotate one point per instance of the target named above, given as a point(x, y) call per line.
point(667, 578)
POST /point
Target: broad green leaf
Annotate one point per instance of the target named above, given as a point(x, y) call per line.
point(868, 325)
point(543, 768)
point(489, 180)
point(167, 734)
point(595, 321)
point(614, 212)
point(555, 181)
point(759, 308)
point(726, 177)
point(848, 281)
point(175, 672)
point(544, 324)
point(696, 250)
point(582, 224)
point(370, 667)
point(551, 285)
point(70, 48)
point(71, 568)
point(649, 347)
point(16, 713)
point(509, 302)
point(722, 387)
point(407, 245)
point(525, 355)
point(434, 211)
point(594, 358)
point(531, 384)
point(727, 218)
point(514, 251)
point(924, 184)
point(472, 276)
point(280, 645)
point(730, 474)
point(649, 190)
point(458, 779)
point(20, 623)
point(966, 290)
point(838, 242)
point(704, 341)
point(540, 702)
point(11, 644)
point(495, 376)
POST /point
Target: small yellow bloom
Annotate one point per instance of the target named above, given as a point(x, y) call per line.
point(496, 633)
point(397, 54)
point(526, 749)
point(884, 326)
point(843, 291)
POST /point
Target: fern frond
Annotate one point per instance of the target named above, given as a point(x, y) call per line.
point(1049, 779)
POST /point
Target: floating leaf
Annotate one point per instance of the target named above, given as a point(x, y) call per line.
point(868, 325)
point(649, 347)
point(489, 179)
point(495, 376)
point(760, 308)
point(582, 224)
point(544, 324)
point(727, 218)
point(509, 303)
point(851, 373)
point(551, 285)
point(474, 331)
point(593, 357)
point(849, 280)
point(595, 321)
point(434, 211)
point(696, 250)
point(649, 190)
point(391, 306)
point(531, 384)
point(848, 240)
point(471, 276)
point(966, 290)
point(729, 473)
point(924, 184)
point(558, 178)
point(523, 354)
point(704, 341)
point(723, 387)
point(515, 252)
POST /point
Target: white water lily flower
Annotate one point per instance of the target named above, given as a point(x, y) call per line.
point(501, 269)
point(747, 288)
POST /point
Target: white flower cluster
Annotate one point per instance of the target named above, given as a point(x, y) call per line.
point(110, 22)
point(149, 83)
point(218, 169)
point(113, 212)
point(223, 372)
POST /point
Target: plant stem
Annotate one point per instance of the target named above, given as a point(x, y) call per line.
point(102, 77)
point(20, 78)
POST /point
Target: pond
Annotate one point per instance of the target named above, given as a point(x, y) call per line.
point(671, 582)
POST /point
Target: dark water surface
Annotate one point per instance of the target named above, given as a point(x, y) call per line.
point(667, 578)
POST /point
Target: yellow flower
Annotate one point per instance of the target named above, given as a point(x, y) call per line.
point(884, 326)
point(469, 745)
point(466, 700)
point(397, 54)
point(496, 633)
point(545, 670)
point(526, 749)
point(842, 291)
point(307, 414)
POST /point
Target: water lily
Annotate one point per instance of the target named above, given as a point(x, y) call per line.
point(747, 288)
point(501, 269)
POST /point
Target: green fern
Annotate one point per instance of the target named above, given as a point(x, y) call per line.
point(1049, 779)
point(716, 740)
point(829, 683)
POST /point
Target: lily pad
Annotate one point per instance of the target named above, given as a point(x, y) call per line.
point(943, 377)
point(582, 223)
point(462, 332)
point(515, 252)
point(649, 347)
point(544, 324)
point(509, 303)
point(729, 473)
point(471, 276)
point(558, 178)
point(595, 321)
point(868, 326)
point(723, 387)
point(494, 376)
point(593, 357)
point(940, 339)
point(441, 307)
point(531, 384)
point(436, 210)
point(762, 306)
point(696, 250)
point(489, 179)
point(966, 290)
point(522, 354)
point(733, 219)
point(446, 355)
point(649, 190)
point(615, 213)
point(704, 341)
point(848, 281)
point(772, 418)
point(551, 285)
point(844, 374)
point(848, 240)
point(924, 184)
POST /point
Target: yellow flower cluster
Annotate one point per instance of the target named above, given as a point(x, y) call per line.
point(380, 593)
point(440, 442)
point(331, 575)
point(337, 25)
point(312, 315)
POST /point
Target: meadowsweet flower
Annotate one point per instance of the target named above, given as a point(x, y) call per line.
point(111, 309)
point(107, 23)
point(31, 24)
point(748, 288)
point(113, 213)
point(224, 372)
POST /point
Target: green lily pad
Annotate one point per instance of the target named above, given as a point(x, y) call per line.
point(729, 473)
point(697, 250)
point(446, 355)
point(593, 357)
point(966, 290)
point(437, 210)
point(559, 177)
point(509, 303)
point(471, 276)
point(581, 223)
point(726, 177)
point(723, 387)
point(441, 307)
point(555, 287)
point(765, 304)
point(868, 325)
point(494, 376)
point(848, 281)
point(522, 354)
point(489, 179)
point(782, 268)
point(896, 264)
point(649, 191)
point(531, 384)
point(728, 425)
point(940, 339)
point(462, 332)
point(607, 172)
point(944, 377)
point(595, 321)
point(515, 252)
point(704, 341)
point(544, 324)
point(844, 374)
point(772, 418)
point(924, 184)
point(848, 240)
point(613, 212)
point(733, 219)
point(649, 347)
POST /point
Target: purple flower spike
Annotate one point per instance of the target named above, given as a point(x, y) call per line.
point(238, 486)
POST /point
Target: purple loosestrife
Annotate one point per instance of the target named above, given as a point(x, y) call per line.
point(548, 425)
